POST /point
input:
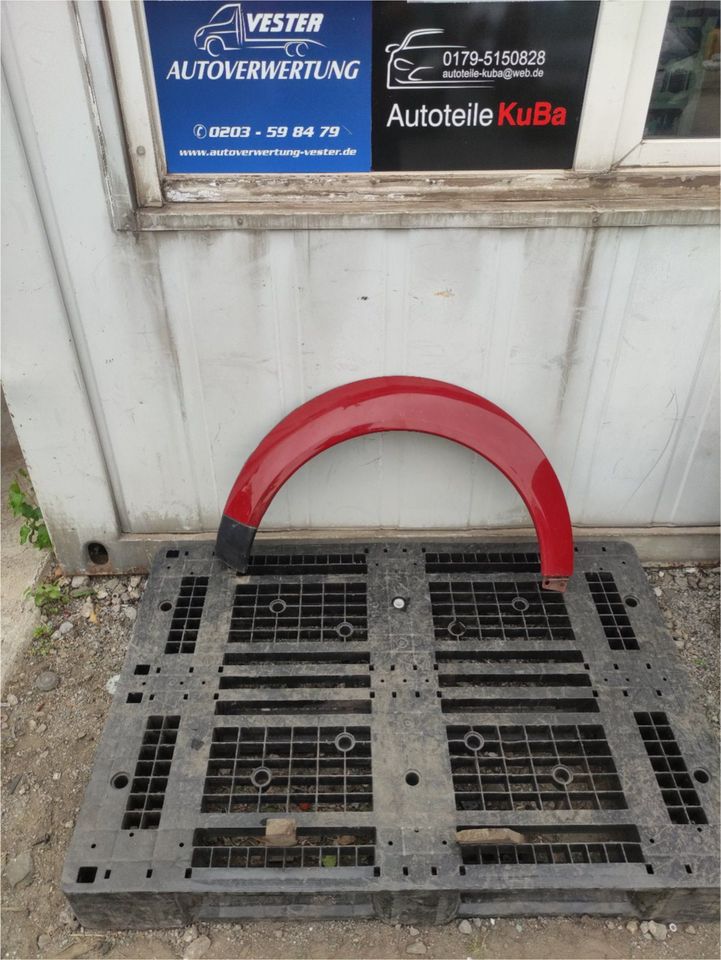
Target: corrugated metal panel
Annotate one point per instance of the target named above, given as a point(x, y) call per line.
point(594, 340)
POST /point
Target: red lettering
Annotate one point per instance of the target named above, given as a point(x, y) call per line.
point(504, 114)
point(542, 113)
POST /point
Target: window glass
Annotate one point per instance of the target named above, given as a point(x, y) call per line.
point(685, 98)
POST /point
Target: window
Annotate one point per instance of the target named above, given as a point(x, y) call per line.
point(670, 111)
point(685, 96)
point(650, 100)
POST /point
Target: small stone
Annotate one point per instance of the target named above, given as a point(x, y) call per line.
point(519, 928)
point(130, 613)
point(44, 941)
point(134, 581)
point(644, 926)
point(190, 934)
point(493, 921)
point(632, 926)
point(112, 685)
point(20, 869)
point(111, 584)
point(197, 949)
point(42, 727)
point(659, 931)
point(465, 927)
point(102, 594)
point(690, 930)
point(77, 582)
point(46, 681)
point(417, 948)
point(610, 925)
point(658, 591)
point(680, 644)
point(489, 835)
point(280, 832)
point(12, 700)
point(56, 776)
point(65, 628)
point(68, 919)
point(476, 921)
point(413, 931)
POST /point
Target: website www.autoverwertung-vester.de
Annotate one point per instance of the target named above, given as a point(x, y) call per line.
point(269, 152)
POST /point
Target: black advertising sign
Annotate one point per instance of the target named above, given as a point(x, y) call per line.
point(479, 86)
point(312, 86)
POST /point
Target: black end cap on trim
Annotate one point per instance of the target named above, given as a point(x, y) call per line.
point(234, 543)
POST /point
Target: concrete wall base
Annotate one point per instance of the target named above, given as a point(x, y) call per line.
point(674, 545)
point(22, 566)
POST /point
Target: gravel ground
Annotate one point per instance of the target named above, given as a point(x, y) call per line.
point(54, 706)
point(689, 599)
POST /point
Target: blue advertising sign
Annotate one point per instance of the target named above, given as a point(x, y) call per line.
point(258, 87)
point(312, 86)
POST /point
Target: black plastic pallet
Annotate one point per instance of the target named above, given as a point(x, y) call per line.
point(386, 696)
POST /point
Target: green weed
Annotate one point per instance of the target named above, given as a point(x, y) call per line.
point(42, 645)
point(48, 596)
point(23, 504)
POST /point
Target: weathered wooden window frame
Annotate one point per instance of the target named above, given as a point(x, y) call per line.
point(610, 142)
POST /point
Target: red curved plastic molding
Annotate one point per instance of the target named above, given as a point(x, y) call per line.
point(401, 403)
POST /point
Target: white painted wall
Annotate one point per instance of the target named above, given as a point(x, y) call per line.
point(142, 368)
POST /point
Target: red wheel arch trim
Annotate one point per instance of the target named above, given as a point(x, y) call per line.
point(410, 404)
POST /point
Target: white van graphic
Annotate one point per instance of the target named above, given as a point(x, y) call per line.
point(230, 28)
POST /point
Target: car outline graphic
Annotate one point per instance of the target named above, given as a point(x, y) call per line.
point(408, 69)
